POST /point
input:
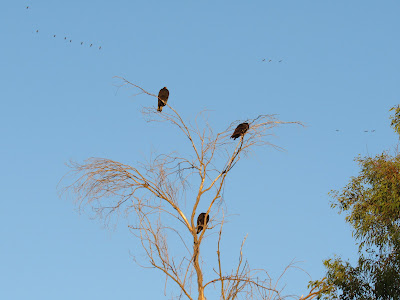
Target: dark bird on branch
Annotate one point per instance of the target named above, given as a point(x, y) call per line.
point(162, 98)
point(240, 130)
point(200, 222)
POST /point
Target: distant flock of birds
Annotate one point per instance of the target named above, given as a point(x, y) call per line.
point(373, 130)
point(90, 45)
point(270, 60)
point(240, 130)
point(65, 38)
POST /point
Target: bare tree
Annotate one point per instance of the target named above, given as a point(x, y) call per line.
point(158, 190)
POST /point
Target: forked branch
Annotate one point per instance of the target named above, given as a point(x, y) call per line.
point(157, 193)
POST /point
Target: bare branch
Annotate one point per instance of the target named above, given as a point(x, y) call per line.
point(155, 192)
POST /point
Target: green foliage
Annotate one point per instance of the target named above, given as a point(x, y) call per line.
point(371, 203)
point(372, 279)
point(396, 119)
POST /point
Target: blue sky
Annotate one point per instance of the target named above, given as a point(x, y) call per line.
point(339, 70)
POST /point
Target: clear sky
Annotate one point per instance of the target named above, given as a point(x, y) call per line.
point(340, 70)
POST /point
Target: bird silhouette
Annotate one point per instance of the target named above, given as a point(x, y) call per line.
point(100, 48)
point(37, 31)
point(163, 95)
point(91, 45)
point(263, 59)
point(70, 41)
point(280, 61)
point(54, 35)
point(202, 221)
point(27, 7)
point(373, 130)
point(81, 43)
point(365, 130)
point(270, 60)
point(65, 38)
point(240, 130)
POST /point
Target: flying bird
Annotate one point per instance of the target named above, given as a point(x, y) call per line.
point(54, 35)
point(70, 41)
point(65, 38)
point(201, 223)
point(100, 48)
point(81, 43)
point(240, 130)
point(280, 61)
point(263, 59)
point(37, 31)
point(91, 45)
point(162, 98)
point(27, 7)
point(373, 130)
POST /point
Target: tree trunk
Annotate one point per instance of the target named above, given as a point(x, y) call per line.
point(200, 287)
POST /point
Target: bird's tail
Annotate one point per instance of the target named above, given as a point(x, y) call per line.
point(159, 108)
point(199, 229)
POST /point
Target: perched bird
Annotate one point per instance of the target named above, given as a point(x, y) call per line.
point(162, 98)
point(240, 130)
point(200, 222)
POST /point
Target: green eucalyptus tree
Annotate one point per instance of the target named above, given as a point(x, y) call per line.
point(371, 202)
